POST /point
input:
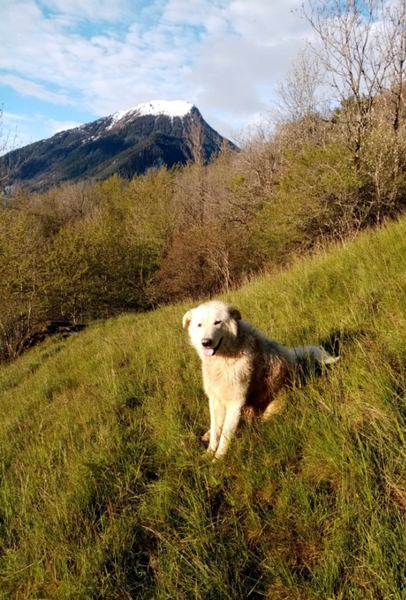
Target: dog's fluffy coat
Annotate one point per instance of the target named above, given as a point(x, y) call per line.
point(243, 370)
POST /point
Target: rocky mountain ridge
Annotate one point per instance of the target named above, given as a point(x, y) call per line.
point(128, 143)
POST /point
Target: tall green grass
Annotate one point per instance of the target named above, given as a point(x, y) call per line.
point(106, 492)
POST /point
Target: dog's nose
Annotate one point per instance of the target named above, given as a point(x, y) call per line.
point(207, 342)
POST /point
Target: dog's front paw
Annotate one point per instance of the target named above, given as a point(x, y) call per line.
point(205, 439)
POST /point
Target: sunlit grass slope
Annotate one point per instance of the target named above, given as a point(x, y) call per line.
point(107, 493)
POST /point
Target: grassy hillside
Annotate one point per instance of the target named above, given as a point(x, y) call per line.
point(107, 493)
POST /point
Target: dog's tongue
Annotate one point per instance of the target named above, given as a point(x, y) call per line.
point(208, 351)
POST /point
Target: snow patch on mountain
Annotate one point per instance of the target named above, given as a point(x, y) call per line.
point(169, 108)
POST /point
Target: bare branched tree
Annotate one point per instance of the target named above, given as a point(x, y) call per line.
point(348, 49)
point(303, 113)
point(300, 93)
point(10, 159)
point(195, 138)
point(392, 46)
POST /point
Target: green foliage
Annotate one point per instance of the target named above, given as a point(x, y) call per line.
point(81, 252)
point(21, 279)
point(384, 163)
point(106, 492)
point(318, 195)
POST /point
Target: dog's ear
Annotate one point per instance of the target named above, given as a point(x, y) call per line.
point(234, 312)
point(187, 317)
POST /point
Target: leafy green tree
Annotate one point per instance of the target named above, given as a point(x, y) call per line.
point(21, 280)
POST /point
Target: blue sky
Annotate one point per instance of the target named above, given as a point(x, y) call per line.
point(68, 62)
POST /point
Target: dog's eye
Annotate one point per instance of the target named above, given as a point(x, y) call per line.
point(217, 322)
point(199, 324)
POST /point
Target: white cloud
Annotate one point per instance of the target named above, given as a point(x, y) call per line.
point(223, 55)
point(35, 90)
point(95, 10)
point(14, 127)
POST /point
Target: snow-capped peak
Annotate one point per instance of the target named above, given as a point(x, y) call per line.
point(170, 108)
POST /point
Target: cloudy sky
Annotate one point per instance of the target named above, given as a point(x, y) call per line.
point(68, 62)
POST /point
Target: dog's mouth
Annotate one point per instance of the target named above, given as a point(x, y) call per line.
point(212, 351)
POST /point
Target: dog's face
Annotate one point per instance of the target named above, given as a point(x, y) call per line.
point(210, 326)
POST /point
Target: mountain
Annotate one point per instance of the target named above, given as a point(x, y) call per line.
point(128, 143)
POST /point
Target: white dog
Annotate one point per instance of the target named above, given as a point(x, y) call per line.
point(242, 368)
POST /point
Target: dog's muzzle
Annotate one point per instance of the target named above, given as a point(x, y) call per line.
point(207, 349)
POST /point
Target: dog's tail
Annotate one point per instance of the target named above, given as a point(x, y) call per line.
point(315, 354)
